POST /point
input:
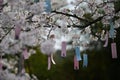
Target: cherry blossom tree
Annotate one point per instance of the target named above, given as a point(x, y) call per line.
point(25, 24)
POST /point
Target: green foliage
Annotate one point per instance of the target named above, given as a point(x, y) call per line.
point(88, 16)
point(8, 56)
point(36, 0)
point(117, 5)
point(116, 18)
point(97, 28)
point(63, 70)
point(101, 11)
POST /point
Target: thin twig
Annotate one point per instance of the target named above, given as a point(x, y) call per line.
point(5, 35)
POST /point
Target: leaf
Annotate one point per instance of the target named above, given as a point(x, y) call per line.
point(88, 16)
point(101, 11)
point(117, 5)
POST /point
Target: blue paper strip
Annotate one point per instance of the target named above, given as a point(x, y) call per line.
point(111, 29)
point(85, 60)
point(48, 6)
point(77, 52)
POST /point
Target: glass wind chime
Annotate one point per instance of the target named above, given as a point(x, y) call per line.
point(111, 33)
point(113, 44)
point(76, 46)
point(63, 43)
point(77, 53)
point(48, 49)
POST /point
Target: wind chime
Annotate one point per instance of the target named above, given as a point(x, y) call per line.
point(111, 33)
point(63, 43)
point(48, 49)
point(113, 44)
point(78, 56)
point(76, 46)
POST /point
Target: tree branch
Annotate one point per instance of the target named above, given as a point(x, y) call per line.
point(96, 20)
point(90, 23)
point(70, 15)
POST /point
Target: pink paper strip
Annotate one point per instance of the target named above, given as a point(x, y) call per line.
point(1, 4)
point(23, 71)
point(1, 63)
point(114, 50)
point(63, 52)
point(106, 40)
point(76, 63)
point(25, 54)
point(17, 31)
point(1, 1)
point(49, 62)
